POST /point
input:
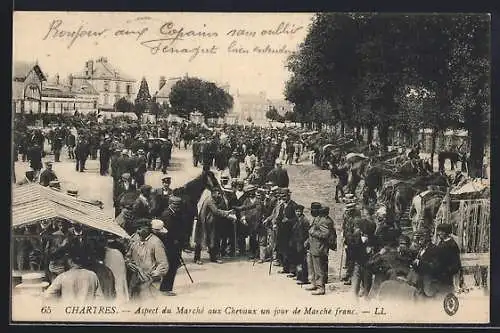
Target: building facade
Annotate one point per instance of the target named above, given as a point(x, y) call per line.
point(27, 84)
point(68, 96)
point(252, 106)
point(108, 81)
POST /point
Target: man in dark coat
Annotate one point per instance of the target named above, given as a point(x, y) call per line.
point(140, 168)
point(251, 217)
point(82, 152)
point(57, 144)
point(104, 156)
point(172, 219)
point(342, 174)
point(165, 152)
point(426, 265)
point(160, 197)
point(70, 144)
point(448, 254)
point(300, 234)
point(196, 152)
point(283, 224)
point(35, 157)
point(278, 175)
point(234, 165)
point(362, 251)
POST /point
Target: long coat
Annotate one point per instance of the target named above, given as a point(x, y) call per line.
point(279, 177)
point(319, 234)
point(234, 167)
point(299, 235)
point(210, 217)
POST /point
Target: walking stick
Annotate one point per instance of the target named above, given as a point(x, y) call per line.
point(274, 245)
point(187, 271)
point(341, 259)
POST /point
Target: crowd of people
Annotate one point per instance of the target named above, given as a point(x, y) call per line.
point(255, 206)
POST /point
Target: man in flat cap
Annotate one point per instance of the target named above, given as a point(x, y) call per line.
point(47, 175)
point(448, 254)
point(104, 156)
point(159, 200)
point(320, 234)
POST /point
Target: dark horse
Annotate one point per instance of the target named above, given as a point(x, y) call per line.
point(454, 157)
point(190, 194)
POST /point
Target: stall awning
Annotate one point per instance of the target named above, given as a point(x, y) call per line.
point(32, 203)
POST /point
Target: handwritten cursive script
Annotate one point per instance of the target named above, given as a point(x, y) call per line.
point(56, 32)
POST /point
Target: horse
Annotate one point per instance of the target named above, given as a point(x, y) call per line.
point(424, 208)
point(191, 193)
point(453, 156)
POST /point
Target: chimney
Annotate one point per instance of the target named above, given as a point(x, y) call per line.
point(90, 68)
point(162, 82)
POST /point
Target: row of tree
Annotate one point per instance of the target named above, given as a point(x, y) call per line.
point(405, 72)
point(187, 95)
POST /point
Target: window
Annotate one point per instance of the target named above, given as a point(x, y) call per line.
point(95, 104)
point(117, 87)
point(106, 86)
point(46, 106)
point(129, 89)
point(106, 99)
point(117, 97)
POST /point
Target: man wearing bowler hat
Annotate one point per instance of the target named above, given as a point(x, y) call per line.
point(283, 226)
point(448, 254)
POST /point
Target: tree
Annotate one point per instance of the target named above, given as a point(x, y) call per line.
point(290, 116)
point(272, 114)
point(123, 105)
point(143, 99)
point(193, 94)
point(155, 109)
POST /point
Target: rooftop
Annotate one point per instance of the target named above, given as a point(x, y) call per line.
point(21, 69)
point(102, 69)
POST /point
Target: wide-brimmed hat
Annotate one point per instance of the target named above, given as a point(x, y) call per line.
point(126, 175)
point(157, 225)
point(48, 163)
point(315, 206)
point(251, 188)
point(32, 281)
point(444, 227)
point(300, 208)
point(166, 179)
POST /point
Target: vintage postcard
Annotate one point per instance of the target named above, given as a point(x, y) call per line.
point(250, 168)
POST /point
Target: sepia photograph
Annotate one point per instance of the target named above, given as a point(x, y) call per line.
point(250, 168)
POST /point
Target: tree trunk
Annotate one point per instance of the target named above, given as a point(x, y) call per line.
point(433, 145)
point(383, 134)
point(342, 128)
point(369, 134)
point(477, 140)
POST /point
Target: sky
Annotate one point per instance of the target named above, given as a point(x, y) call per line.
point(220, 47)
